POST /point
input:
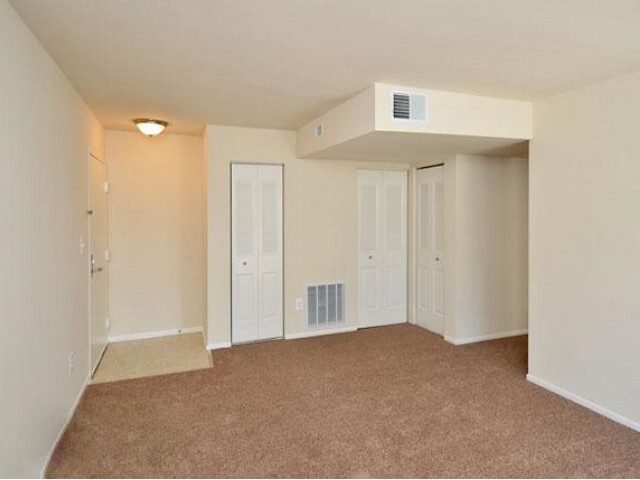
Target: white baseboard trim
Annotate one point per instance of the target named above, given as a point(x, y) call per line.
point(605, 412)
point(218, 345)
point(483, 338)
point(64, 427)
point(292, 336)
point(388, 324)
point(319, 333)
point(307, 334)
point(155, 334)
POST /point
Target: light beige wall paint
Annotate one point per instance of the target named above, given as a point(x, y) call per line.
point(350, 119)
point(585, 244)
point(449, 113)
point(457, 114)
point(46, 132)
point(320, 221)
point(491, 238)
point(451, 234)
point(486, 277)
point(158, 259)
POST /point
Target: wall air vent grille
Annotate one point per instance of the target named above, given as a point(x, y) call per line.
point(410, 107)
point(325, 306)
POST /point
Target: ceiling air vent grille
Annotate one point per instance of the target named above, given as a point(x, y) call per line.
point(410, 107)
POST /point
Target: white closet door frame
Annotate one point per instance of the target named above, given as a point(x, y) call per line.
point(430, 248)
point(382, 247)
point(256, 273)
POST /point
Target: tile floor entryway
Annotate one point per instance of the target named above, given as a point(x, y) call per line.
point(154, 356)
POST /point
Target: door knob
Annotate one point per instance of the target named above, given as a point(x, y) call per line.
point(244, 263)
point(370, 257)
point(437, 259)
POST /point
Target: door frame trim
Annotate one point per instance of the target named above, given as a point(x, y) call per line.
point(87, 252)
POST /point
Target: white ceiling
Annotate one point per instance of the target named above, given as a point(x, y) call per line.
point(280, 63)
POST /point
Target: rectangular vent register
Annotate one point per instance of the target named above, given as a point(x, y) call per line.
point(325, 306)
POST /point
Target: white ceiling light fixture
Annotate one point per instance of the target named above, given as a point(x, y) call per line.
point(150, 127)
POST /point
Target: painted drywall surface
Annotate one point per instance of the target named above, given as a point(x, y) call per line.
point(45, 132)
point(449, 113)
point(485, 246)
point(457, 114)
point(158, 266)
point(585, 244)
point(491, 256)
point(350, 119)
point(320, 221)
point(451, 234)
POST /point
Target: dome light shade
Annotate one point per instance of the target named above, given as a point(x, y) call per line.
point(150, 127)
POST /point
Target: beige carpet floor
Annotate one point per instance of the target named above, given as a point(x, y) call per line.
point(385, 402)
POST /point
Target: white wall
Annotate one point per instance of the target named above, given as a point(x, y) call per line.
point(486, 202)
point(45, 132)
point(485, 242)
point(158, 262)
point(320, 221)
point(585, 245)
point(451, 114)
point(454, 113)
point(350, 119)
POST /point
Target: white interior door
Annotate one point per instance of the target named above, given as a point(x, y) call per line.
point(430, 273)
point(382, 251)
point(98, 254)
point(257, 252)
point(370, 248)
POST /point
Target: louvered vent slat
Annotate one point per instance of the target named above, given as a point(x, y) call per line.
point(325, 306)
point(401, 106)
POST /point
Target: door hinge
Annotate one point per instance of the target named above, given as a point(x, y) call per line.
point(106, 187)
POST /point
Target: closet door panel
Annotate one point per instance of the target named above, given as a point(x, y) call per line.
point(270, 325)
point(382, 251)
point(430, 213)
point(369, 250)
point(395, 246)
point(244, 254)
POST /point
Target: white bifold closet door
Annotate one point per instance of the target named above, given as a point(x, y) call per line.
point(382, 249)
point(430, 213)
point(256, 252)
